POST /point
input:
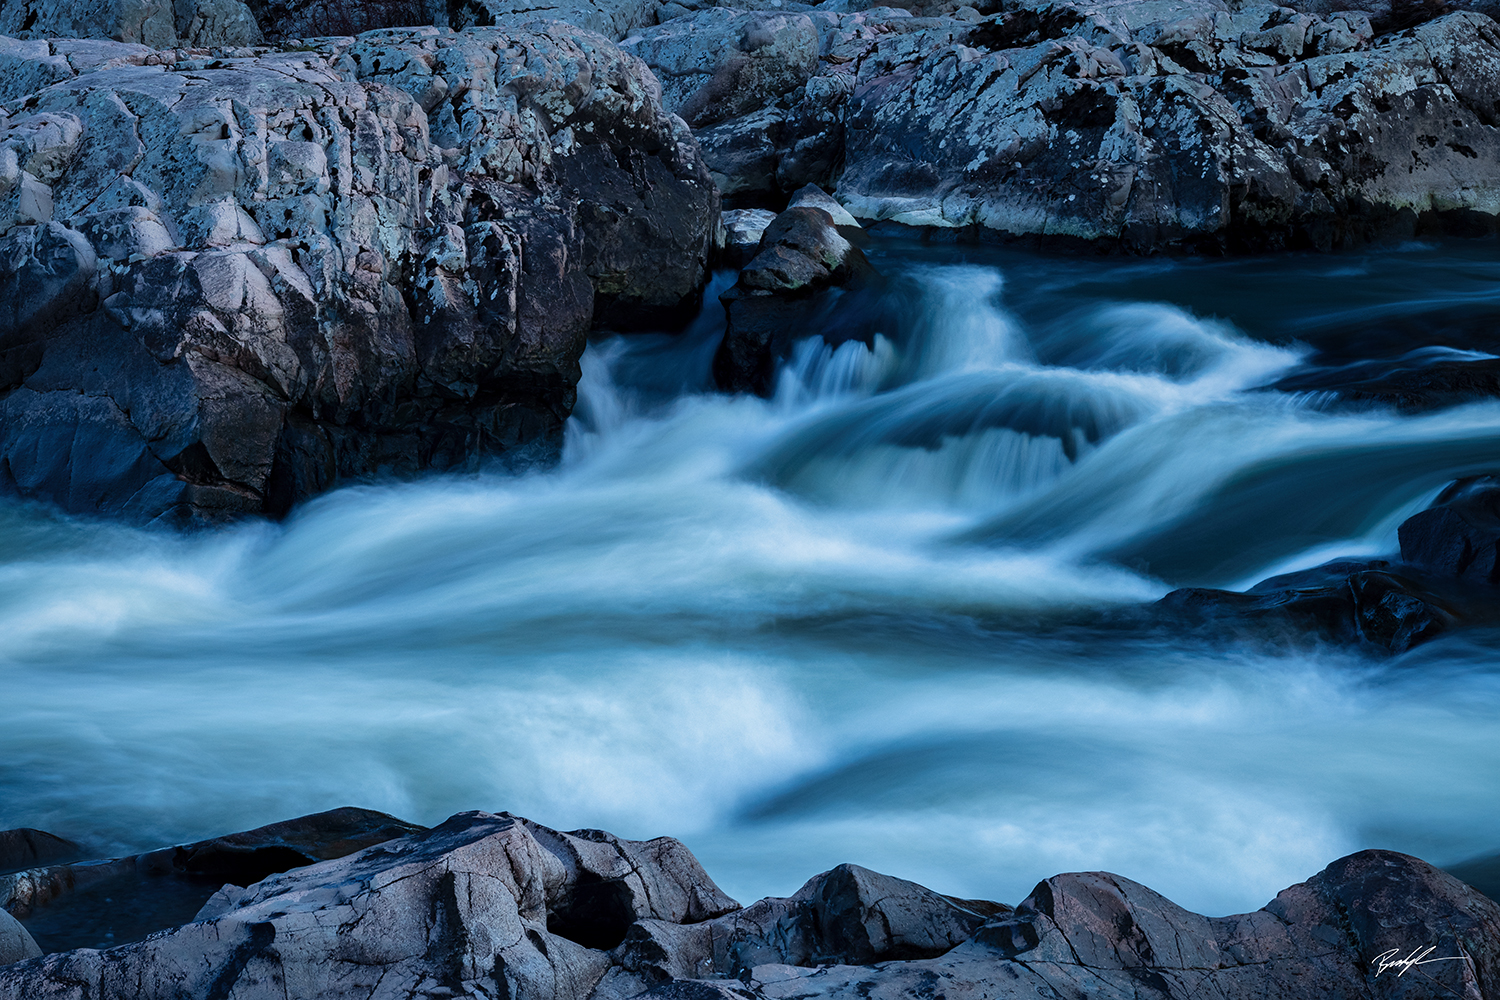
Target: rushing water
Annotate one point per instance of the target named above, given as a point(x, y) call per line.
point(882, 617)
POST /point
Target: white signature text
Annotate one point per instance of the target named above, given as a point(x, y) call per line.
point(1388, 960)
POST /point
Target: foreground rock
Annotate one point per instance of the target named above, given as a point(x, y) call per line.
point(16, 945)
point(123, 899)
point(226, 283)
point(776, 300)
point(496, 906)
point(1447, 576)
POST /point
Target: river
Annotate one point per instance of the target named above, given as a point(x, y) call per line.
point(888, 616)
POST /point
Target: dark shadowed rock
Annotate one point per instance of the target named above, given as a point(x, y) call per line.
point(26, 848)
point(1481, 873)
point(775, 300)
point(1389, 606)
point(1459, 535)
point(123, 899)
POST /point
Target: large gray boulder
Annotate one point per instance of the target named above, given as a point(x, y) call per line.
point(489, 905)
point(16, 944)
point(227, 282)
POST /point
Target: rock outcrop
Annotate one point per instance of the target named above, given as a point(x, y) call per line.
point(491, 905)
point(186, 23)
point(1134, 124)
point(228, 281)
point(775, 301)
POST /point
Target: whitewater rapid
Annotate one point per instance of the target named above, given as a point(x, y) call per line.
point(880, 617)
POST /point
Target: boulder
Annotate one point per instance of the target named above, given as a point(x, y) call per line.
point(801, 253)
point(228, 282)
point(16, 944)
point(491, 905)
point(1459, 535)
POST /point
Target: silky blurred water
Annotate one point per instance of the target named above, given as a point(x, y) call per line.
point(883, 617)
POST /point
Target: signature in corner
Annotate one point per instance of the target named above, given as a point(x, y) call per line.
point(1388, 960)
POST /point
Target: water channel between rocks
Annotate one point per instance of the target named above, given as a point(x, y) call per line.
point(884, 617)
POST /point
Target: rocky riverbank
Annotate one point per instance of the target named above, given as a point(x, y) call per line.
point(492, 905)
point(236, 273)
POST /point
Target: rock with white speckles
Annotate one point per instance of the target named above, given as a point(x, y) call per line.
point(371, 254)
point(1137, 124)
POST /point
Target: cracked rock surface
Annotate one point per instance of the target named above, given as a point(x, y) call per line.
point(492, 905)
point(230, 278)
point(1136, 123)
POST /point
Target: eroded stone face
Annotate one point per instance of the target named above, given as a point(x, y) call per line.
point(228, 280)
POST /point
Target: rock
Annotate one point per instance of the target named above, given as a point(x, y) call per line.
point(158, 25)
point(1386, 606)
point(1202, 124)
point(774, 301)
point(1459, 535)
point(742, 231)
point(27, 848)
point(16, 944)
point(490, 905)
point(1480, 873)
point(1410, 384)
point(719, 63)
point(125, 899)
point(373, 255)
point(813, 196)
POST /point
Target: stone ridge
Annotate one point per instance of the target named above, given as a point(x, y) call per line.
point(492, 905)
point(230, 278)
point(1134, 124)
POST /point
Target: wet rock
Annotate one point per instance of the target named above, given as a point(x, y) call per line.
point(371, 255)
point(1459, 535)
point(1482, 873)
point(801, 253)
point(28, 848)
point(16, 944)
point(1388, 606)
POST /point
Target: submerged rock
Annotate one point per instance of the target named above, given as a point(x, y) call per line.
point(228, 281)
point(491, 905)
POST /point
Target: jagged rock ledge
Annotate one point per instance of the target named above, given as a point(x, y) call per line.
point(492, 905)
